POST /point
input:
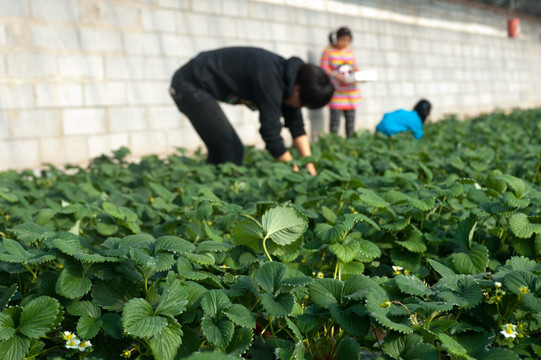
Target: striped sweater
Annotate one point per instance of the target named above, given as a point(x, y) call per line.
point(334, 61)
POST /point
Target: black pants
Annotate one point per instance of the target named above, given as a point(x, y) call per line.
point(210, 122)
point(350, 121)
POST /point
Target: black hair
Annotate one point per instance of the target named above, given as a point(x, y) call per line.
point(423, 109)
point(315, 86)
point(335, 35)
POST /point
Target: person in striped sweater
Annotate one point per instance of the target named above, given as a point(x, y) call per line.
point(339, 62)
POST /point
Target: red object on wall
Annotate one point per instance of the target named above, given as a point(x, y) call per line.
point(513, 27)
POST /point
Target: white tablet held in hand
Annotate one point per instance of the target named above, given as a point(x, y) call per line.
point(362, 76)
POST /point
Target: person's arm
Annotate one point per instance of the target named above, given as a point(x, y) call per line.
point(303, 148)
point(416, 126)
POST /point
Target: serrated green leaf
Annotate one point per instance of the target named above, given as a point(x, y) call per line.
point(214, 303)
point(112, 210)
point(30, 232)
point(161, 191)
point(248, 233)
point(331, 234)
point(370, 198)
point(518, 279)
point(452, 346)
point(15, 348)
point(283, 224)
point(74, 248)
point(84, 308)
point(521, 263)
point(106, 229)
point(241, 341)
point(212, 246)
point(352, 319)
point(174, 298)
point(7, 295)
point(440, 268)
point(406, 259)
point(174, 244)
point(201, 259)
point(499, 354)
point(294, 329)
point(409, 347)
point(413, 241)
point(348, 349)
point(328, 214)
point(138, 319)
point(39, 316)
point(165, 345)
point(325, 292)
point(219, 331)
point(532, 302)
point(473, 261)
point(520, 187)
point(160, 261)
point(270, 276)
point(358, 286)
point(280, 305)
point(522, 227)
point(368, 249)
point(411, 285)
point(240, 315)
point(112, 325)
point(88, 327)
point(72, 285)
point(345, 251)
point(112, 295)
point(7, 326)
point(379, 313)
point(467, 294)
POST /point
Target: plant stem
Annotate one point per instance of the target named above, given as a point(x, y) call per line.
point(536, 171)
point(265, 248)
point(146, 282)
point(336, 267)
point(34, 276)
point(43, 352)
point(272, 331)
point(377, 338)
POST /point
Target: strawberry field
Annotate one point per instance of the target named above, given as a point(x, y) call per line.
point(398, 249)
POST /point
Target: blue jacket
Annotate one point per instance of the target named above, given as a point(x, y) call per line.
point(400, 121)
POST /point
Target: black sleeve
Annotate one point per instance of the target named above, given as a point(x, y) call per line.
point(268, 92)
point(294, 121)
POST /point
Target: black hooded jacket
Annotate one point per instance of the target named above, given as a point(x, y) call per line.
point(254, 77)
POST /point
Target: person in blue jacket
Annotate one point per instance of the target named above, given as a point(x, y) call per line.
point(405, 120)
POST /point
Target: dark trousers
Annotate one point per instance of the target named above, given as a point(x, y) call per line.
point(350, 121)
point(210, 122)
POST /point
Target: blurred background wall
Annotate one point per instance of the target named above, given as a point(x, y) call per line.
point(79, 78)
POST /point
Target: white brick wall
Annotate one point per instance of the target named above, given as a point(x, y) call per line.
point(25, 65)
point(84, 121)
point(55, 37)
point(50, 94)
point(55, 10)
point(79, 78)
point(29, 124)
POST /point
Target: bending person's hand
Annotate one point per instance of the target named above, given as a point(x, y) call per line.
point(311, 169)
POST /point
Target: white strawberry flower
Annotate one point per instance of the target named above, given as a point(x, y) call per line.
point(73, 343)
point(83, 345)
point(509, 331)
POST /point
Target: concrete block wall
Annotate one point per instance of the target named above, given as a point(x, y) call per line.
point(79, 78)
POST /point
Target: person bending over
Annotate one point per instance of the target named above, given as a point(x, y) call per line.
point(263, 81)
point(404, 120)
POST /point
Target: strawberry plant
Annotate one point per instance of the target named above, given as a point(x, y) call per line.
point(398, 249)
